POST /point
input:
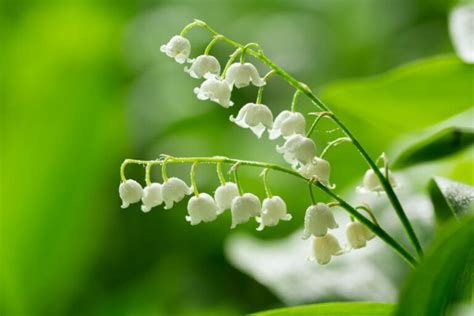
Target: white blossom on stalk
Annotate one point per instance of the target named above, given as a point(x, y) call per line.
point(174, 190)
point(216, 90)
point(358, 234)
point(241, 74)
point(204, 66)
point(130, 191)
point(325, 247)
point(371, 183)
point(273, 210)
point(224, 195)
point(461, 27)
point(317, 220)
point(297, 150)
point(201, 208)
point(178, 48)
point(152, 196)
point(256, 117)
point(318, 169)
point(288, 123)
point(243, 208)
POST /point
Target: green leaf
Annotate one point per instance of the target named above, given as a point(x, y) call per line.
point(445, 277)
point(447, 138)
point(450, 199)
point(334, 309)
point(413, 96)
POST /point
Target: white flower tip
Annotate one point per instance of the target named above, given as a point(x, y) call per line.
point(145, 209)
point(287, 217)
point(125, 205)
point(261, 227)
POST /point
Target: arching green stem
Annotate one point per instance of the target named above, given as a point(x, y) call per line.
point(334, 143)
point(319, 116)
point(260, 89)
point(212, 43)
point(268, 192)
point(294, 101)
point(220, 174)
point(193, 178)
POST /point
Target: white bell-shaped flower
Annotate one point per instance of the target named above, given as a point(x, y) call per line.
point(241, 74)
point(358, 234)
point(243, 208)
point(130, 191)
point(461, 27)
point(224, 195)
point(297, 150)
point(287, 124)
point(317, 220)
point(178, 48)
point(371, 183)
point(204, 66)
point(318, 169)
point(325, 247)
point(174, 190)
point(273, 210)
point(201, 208)
point(152, 196)
point(216, 90)
point(257, 117)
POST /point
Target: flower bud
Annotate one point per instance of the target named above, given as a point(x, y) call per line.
point(152, 196)
point(216, 90)
point(130, 191)
point(461, 27)
point(201, 208)
point(204, 66)
point(317, 220)
point(257, 117)
point(178, 48)
point(287, 124)
point(243, 208)
point(318, 169)
point(241, 75)
point(371, 183)
point(297, 150)
point(174, 190)
point(326, 247)
point(224, 195)
point(358, 234)
point(273, 210)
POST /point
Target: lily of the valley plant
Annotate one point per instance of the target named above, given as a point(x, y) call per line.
point(296, 145)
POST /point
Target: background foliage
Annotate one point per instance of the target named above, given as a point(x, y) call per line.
point(83, 86)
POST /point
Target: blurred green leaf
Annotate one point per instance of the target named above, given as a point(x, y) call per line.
point(450, 199)
point(439, 145)
point(410, 97)
point(445, 276)
point(334, 309)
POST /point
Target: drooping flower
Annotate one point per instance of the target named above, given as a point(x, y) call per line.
point(224, 195)
point(325, 247)
point(152, 196)
point(317, 220)
point(216, 90)
point(204, 66)
point(241, 74)
point(273, 210)
point(461, 27)
point(257, 117)
point(130, 191)
point(358, 234)
point(371, 183)
point(297, 150)
point(178, 48)
point(174, 190)
point(287, 124)
point(201, 208)
point(243, 208)
point(318, 169)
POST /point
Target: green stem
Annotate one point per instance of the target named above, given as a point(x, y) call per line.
point(311, 193)
point(334, 143)
point(377, 230)
point(232, 58)
point(316, 120)
point(307, 91)
point(148, 174)
point(294, 101)
point(235, 169)
point(260, 89)
point(193, 178)
point(220, 174)
point(212, 43)
point(268, 192)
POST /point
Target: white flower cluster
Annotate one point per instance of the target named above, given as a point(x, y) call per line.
point(298, 150)
point(203, 207)
point(318, 220)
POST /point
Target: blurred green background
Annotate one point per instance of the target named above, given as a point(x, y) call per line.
point(84, 86)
